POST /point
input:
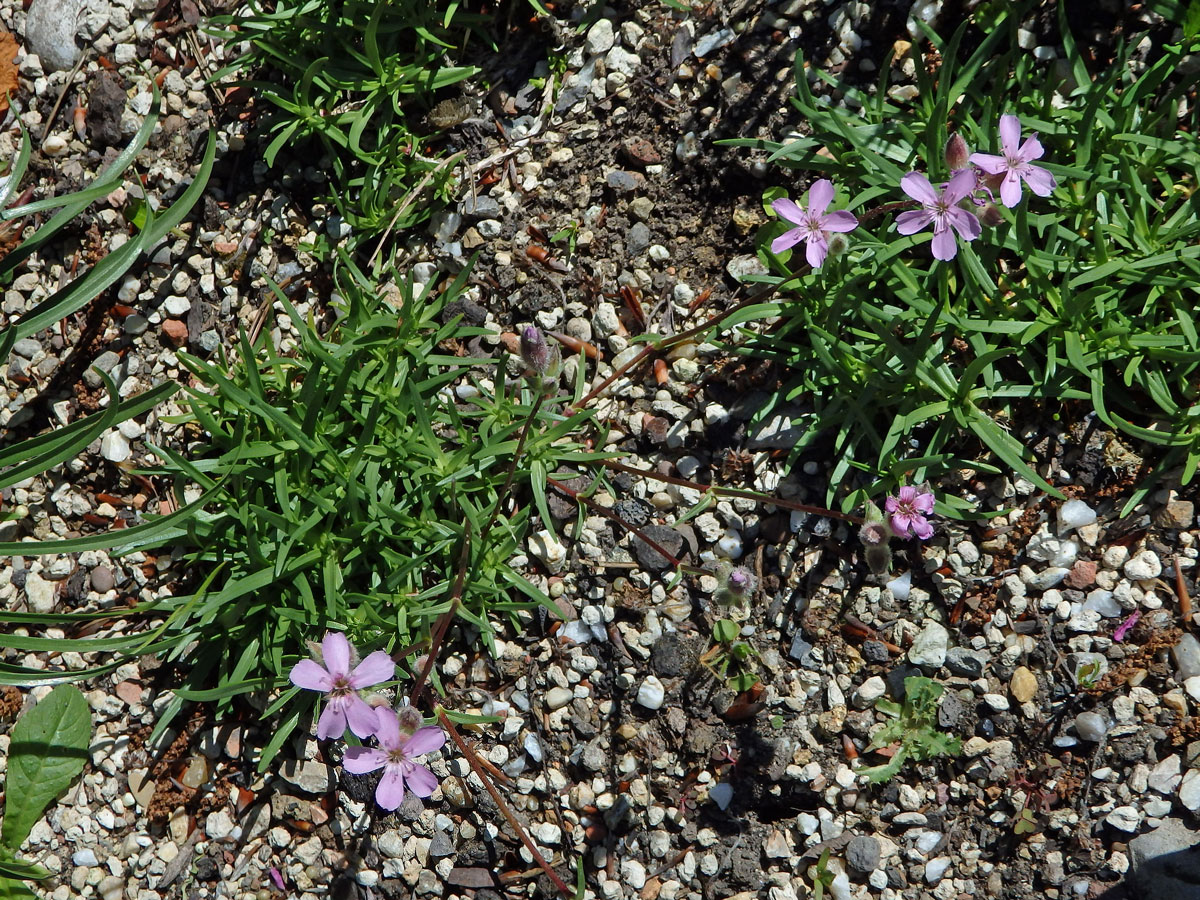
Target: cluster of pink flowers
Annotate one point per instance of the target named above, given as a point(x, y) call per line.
point(949, 208)
point(400, 736)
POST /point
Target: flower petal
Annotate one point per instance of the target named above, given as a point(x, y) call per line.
point(332, 723)
point(1010, 134)
point(965, 223)
point(424, 740)
point(420, 780)
point(918, 187)
point(923, 502)
point(336, 650)
point(820, 195)
point(1040, 181)
point(788, 239)
point(921, 528)
point(308, 674)
point(944, 245)
point(900, 523)
point(1010, 190)
point(361, 760)
point(390, 793)
point(816, 250)
point(891, 504)
point(787, 209)
point(374, 669)
point(838, 221)
point(1030, 150)
point(387, 728)
point(907, 494)
point(362, 718)
point(959, 186)
point(913, 221)
point(993, 165)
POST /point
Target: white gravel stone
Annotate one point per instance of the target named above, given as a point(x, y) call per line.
point(651, 693)
point(1165, 777)
point(546, 547)
point(114, 447)
point(1124, 818)
point(929, 647)
point(1074, 514)
point(600, 38)
point(868, 692)
point(1189, 790)
point(1091, 726)
point(39, 592)
point(1143, 565)
point(633, 874)
point(936, 868)
point(219, 825)
point(901, 586)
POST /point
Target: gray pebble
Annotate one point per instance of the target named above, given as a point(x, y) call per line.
point(102, 579)
point(966, 663)
point(863, 853)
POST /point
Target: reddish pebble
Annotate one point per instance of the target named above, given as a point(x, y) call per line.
point(175, 332)
point(130, 692)
point(1082, 574)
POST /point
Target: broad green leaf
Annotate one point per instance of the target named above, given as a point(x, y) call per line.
point(47, 751)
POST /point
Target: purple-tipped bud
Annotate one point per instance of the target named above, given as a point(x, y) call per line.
point(535, 351)
point(741, 581)
point(958, 154)
point(409, 719)
point(991, 215)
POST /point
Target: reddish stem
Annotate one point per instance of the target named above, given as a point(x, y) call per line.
point(474, 761)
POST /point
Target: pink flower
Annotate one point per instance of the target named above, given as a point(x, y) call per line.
point(397, 751)
point(942, 211)
point(908, 510)
point(813, 225)
point(1014, 165)
point(1124, 627)
point(341, 685)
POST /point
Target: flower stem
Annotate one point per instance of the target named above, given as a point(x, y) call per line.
point(631, 529)
point(474, 761)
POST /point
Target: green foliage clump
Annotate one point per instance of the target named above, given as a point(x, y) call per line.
point(361, 483)
point(1087, 295)
point(47, 750)
point(358, 77)
point(913, 726)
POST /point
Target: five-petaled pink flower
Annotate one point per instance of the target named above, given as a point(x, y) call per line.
point(341, 685)
point(395, 756)
point(1014, 164)
point(942, 211)
point(908, 510)
point(812, 225)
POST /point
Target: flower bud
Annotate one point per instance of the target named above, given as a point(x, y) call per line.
point(991, 215)
point(410, 720)
point(957, 153)
point(734, 584)
point(537, 354)
point(838, 244)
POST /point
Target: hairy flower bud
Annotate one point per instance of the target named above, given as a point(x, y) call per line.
point(410, 720)
point(991, 215)
point(734, 584)
point(838, 244)
point(540, 356)
point(875, 535)
point(957, 153)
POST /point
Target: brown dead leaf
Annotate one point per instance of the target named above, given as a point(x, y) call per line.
point(8, 68)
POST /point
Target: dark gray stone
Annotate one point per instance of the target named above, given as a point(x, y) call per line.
point(106, 105)
point(875, 652)
point(667, 538)
point(862, 854)
point(637, 240)
point(480, 207)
